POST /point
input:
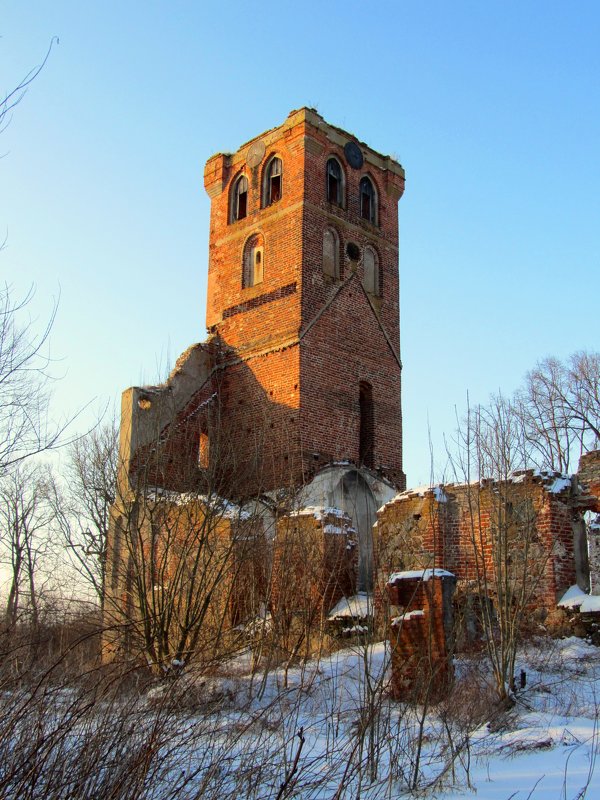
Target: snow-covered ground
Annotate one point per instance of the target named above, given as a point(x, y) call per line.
point(328, 729)
point(549, 745)
point(336, 716)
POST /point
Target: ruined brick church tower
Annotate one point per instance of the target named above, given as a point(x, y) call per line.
point(296, 391)
point(303, 293)
point(302, 365)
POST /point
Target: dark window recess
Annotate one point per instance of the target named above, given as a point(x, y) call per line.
point(367, 200)
point(334, 182)
point(353, 251)
point(116, 554)
point(274, 171)
point(240, 199)
point(366, 445)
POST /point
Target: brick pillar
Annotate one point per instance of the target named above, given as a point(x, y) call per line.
point(421, 634)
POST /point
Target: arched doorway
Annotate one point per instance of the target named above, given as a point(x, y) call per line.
point(354, 496)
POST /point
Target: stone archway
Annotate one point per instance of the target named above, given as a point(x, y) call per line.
point(354, 496)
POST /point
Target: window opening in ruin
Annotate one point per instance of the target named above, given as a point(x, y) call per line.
point(368, 200)
point(253, 268)
point(331, 253)
point(353, 251)
point(371, 276)
point(203, 451)
point(116, 554)
point(366, 444)
point(240, 199)
point(334, 182)
point(273, 181)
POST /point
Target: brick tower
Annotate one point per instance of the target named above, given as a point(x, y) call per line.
point(296, 387)
point(303, 301)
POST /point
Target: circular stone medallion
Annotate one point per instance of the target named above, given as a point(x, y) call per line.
point(255, 154)
point(353, 155)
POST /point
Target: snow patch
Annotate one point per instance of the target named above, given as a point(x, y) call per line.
point(575, 597)
point(318, 512)
point(419, 491)
point(423, 574)
point(409, 615)
point(359, 606)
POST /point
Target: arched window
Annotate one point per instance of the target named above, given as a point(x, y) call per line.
point(273, 181)
point(331, 253)
point(335, 182)
point(368, 200)
point(239, 200)
point(371, 277)
point(254, 265)
point(366, 443)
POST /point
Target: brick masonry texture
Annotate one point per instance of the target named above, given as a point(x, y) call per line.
point(290, 352)
point(314, 567)
point(421, 642)
point(455, 528)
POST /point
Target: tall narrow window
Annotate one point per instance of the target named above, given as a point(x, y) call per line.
point(273, 178)
point(117, 566)
point(239, 205)
point(371, 271)
point(368, 200)
point(335, 182)
point(366, 445)
point(331, 253)
point(253, 268)
point(203, 451)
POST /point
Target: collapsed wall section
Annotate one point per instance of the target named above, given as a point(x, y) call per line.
point(315, 560)
point(179, 562)
point(521, 529)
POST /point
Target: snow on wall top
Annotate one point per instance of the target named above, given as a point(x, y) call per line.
point(419, 491)
point(575, 597)
point(554, 483)
point(422, 574)
point(319, 513)
point(359, 606)
point(418, 612)
point(215, 504)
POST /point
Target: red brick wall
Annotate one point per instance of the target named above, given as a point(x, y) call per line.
point(421, 650)
point(589, 476)
point(306, 386)
point(313, 568)
point(289, 353)
point(457, 534)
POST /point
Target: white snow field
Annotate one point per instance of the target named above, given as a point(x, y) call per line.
point(326, 730)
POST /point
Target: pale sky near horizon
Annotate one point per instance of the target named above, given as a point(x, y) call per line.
point(493, 109)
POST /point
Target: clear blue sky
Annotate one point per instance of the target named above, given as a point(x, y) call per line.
point(493, 108)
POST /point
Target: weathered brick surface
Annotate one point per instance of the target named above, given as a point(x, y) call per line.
point(460, 534)
point(589, 477)
point(314, 566)
point(289, 353)
point(177, 554)
point(420, 637)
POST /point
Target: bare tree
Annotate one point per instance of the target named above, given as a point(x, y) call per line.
point(81, 504)
point(24, 543)
point(184, 563)
point(14, 96)
point(560, 409)
point(25, 384)
point(507, 553)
